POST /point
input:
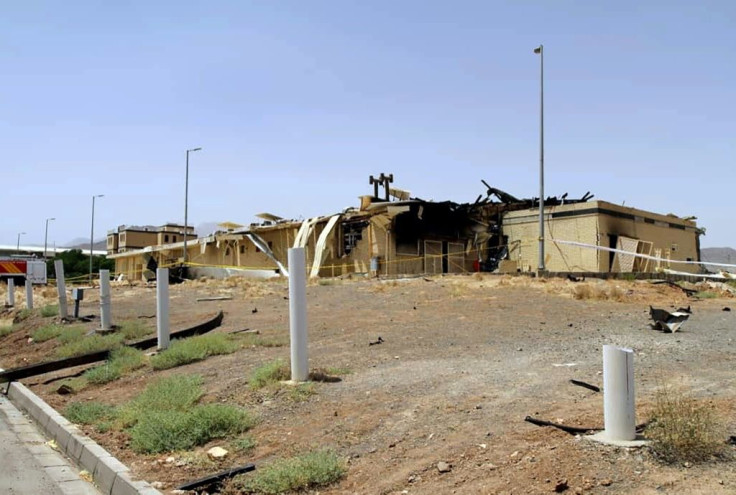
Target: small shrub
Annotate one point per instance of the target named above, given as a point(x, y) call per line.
point(134, 329)
point(87, 413)
point(302, 392)
point(90, 343)
point(177, 393)
point(24, 314)
point(99, 375)
point(683, 429)
point(71, 334)
point(46, 332)
point(166, 430)
point(243, 444)
point(704, 294)
point(269, 373)
point(76, 384)
point(122, 360)
point(193, 349)
point(307, 471)
point(7, 330)
point(50, 310)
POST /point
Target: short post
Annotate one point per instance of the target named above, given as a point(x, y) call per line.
point(105, 325)
point(162, 307)
point(298, 314)
point(61, 288)
point(11, 291)
point(618, 393)
point(29, 293)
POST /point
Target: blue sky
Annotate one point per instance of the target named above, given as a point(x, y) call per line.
point(297, 102)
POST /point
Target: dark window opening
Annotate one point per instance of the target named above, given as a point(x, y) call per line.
point(166, 238)
point(174, 240)
point(352, 233)
point(242, 249)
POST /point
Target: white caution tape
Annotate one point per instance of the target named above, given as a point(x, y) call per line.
point(639, 255)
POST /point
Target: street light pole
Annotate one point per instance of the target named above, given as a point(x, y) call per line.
point(92, 235)
point(540, 51)
point(186, 204)
point(17, 246)
point(46, 238)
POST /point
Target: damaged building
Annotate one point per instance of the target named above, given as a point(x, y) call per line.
point(392, 233)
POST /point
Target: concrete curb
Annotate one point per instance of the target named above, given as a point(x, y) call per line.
point(110, 475)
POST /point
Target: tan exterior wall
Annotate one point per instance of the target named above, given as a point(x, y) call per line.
point(132, 239)
point(596, 228)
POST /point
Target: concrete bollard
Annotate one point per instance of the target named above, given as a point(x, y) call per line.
point(162, 308)
point(298, 314)
point(618, 393)
point(29, 294)
point(105, 325)
point(61, 288)
point(11, 292)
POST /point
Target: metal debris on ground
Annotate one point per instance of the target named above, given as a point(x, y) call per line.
point(220, 298)
point(585, 385)
point(376, 342)
point(666, 321)
point(213, 482)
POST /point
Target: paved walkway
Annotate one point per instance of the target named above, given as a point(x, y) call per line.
point(28, 465)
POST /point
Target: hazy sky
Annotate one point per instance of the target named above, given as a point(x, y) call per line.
point(297, 102)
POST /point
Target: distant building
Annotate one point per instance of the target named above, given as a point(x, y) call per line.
point(394, 235)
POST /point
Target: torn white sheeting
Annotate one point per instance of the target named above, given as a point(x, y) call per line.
point(302, 236)
point(263, 246)
point(319, 252)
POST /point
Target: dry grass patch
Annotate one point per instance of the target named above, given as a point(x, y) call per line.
point(598, 292)
point(684, 429)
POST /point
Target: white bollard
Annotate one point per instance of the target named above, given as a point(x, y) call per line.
point(105, 324)
point(11, 291)
point(618, 393)
point(298, 314)
point(162, 307)
point(61, 288)
point(29, 294)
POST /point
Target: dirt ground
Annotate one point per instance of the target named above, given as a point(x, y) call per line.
point(463, 360)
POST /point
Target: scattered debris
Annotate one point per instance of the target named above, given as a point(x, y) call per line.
point(606, 482)
point(561, 486)
point(726, 309)
point(213, 482)
point(147, 316)
point(444, 467)
point(376, 342)
point(217, 453)
point(559, 365)
point(585, 385)
point(254, 310)
point(572, 430)
point(732, 440)
point(86, 476)
point(572, 278)
point(685, 310)
point(219, 298)
point(674, 285)
point(245, 330)
point(666, 321)
point(64, 390)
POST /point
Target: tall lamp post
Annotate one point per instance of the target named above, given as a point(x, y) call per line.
point(540, 51)
point(186, 204)
point(17, 246)
point(46, 237)
point(92, 235)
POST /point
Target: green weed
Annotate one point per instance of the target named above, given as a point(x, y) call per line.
point(268, 374)
point(50, 310)
point(134, 329)
point(193, 349)
point(71, 334)
point(87, 413)
point(305, 472)
point(122, 360)
point(46, 332)
point(91, 343)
